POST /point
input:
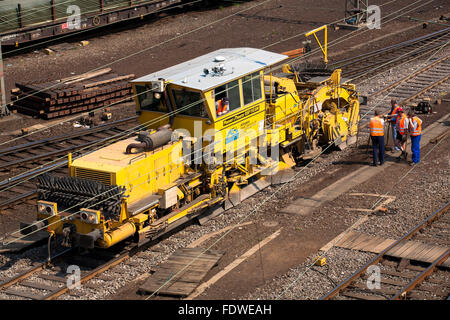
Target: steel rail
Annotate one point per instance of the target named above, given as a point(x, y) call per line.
point(58, 291)
point(412, 75)
point(32, 193)
point(421, 277)
point(431, 86)
point(65, 137)
point(91, 274)
point(30, 173)
point(344, 284)
point(405, 80)
point(404, 44)
point(388, 63)
point(23, 275)
point(22, 197)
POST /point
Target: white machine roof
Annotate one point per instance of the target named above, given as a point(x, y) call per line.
point(236, 62)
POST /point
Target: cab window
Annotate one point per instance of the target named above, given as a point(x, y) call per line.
point(189, 103)
point(251, 87)
point(148, 99)
point(227, 98)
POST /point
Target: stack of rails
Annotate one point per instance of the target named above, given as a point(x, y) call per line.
point(71, 95)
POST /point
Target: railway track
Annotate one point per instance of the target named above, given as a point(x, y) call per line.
point(33, 157)
point(383, 59)
point(425, 83)
point(406, 278)
point(50, 279)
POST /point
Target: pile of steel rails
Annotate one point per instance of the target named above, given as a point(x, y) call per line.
point(71, 95)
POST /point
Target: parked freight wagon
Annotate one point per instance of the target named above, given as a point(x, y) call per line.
point(27, 20)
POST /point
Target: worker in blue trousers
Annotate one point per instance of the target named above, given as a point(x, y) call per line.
point(415, 132)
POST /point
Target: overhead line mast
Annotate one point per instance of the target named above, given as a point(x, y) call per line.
point(3, 109)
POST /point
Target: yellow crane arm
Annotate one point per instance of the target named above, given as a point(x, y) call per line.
point(324, 46)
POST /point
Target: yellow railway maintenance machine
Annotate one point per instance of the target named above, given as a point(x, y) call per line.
point(220, 127)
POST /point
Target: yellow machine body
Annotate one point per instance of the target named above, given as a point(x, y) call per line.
point(230, 103)
point(142, 173)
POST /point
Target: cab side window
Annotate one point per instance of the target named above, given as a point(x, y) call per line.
point(148, 99)
point(251, 87)
point(227, 97)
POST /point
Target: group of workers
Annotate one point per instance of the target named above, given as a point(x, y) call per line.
point(402, 126)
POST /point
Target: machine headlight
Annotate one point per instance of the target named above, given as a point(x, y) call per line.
point(90, 216)
point(46, 207)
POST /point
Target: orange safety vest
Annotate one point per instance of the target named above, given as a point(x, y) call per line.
point(394, 112)
point(219, 107)
point(398, 119)
point(403, 124)
point(417, 131)
point(376, 127)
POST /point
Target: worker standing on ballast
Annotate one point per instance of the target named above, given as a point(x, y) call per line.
point(377, 135)
point(392, 117)
point(415, 131)
point(402, 133)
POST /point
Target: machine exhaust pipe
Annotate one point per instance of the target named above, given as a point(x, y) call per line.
point(132, 146)
point(149, 142)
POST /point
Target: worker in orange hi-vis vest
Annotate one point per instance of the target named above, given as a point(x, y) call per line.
point(402, 133)
point(225, 105)
point(415, 132)
point(222, 106)
point(219, 107)
point(392, 118)
point(376, 126)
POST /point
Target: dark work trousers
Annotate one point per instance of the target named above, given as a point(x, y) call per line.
point(378, 149)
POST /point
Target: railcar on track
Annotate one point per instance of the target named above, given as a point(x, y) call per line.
point(22, 21)
point(218, 129)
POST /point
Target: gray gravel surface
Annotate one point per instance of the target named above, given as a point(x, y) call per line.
point(306, 282)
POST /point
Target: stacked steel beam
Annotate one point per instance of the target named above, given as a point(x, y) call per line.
point(71, 95)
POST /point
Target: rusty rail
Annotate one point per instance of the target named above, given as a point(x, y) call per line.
point(334, 292)
point(419, 279)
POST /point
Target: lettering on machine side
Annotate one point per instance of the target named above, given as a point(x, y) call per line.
point(240, 115)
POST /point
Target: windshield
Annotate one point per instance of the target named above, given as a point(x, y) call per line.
point(189, 103)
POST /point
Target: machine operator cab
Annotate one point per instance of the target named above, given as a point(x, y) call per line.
point(222, 90)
